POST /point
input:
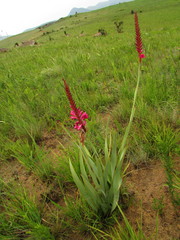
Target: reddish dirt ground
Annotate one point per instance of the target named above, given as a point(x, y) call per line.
point(148, 185)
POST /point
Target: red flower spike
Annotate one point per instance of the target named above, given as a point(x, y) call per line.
point(138, 39)
point(75, 112)
point(83, 115)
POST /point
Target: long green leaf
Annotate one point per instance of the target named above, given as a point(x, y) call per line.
point(106, 150)
point(92, 168)
point(92, 193)
point(100, 174)
point(82, 167)
point(117, 181)
point(113, 156)
point(82, 188)
point(89, 188)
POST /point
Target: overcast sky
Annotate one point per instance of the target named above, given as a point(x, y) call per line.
point(19, 15)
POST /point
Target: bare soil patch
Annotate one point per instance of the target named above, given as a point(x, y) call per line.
point(148, 184)
point(14, 171)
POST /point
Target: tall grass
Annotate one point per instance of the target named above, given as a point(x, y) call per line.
point(32, 157)
point(20, 216)
point(126, 231)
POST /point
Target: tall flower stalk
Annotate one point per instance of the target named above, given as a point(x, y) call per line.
point(76, 114)
point(138, 43)
point(139, 48)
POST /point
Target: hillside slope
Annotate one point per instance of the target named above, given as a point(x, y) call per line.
point(91, 21)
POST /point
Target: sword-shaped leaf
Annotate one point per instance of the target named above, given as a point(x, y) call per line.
point(82, 188)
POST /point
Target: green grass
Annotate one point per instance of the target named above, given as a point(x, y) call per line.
point(126, 232)
point(32, 157)
point(102, 73)
point(21, 217)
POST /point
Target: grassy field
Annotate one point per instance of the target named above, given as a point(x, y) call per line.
point(38, 197)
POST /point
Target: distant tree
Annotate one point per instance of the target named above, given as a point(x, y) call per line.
point(132, 12)
point(102, 31)
point(66, 34)
point(119, 26)
point(50, 38)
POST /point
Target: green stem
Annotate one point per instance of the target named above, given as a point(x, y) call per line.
point(132, 110)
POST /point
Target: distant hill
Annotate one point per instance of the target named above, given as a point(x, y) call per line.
point(3, 37)
point(40, 26)
point(98, 6)
point(47, 24)
point(78, 10)
point(107, 4)
point(29, 29)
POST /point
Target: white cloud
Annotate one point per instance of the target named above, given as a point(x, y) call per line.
point(18, 15)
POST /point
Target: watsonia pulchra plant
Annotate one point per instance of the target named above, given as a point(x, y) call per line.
point(100, 180)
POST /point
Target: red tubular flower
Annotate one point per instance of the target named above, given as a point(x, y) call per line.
point(138, 39)
point(83, 115)
point(75, 112)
